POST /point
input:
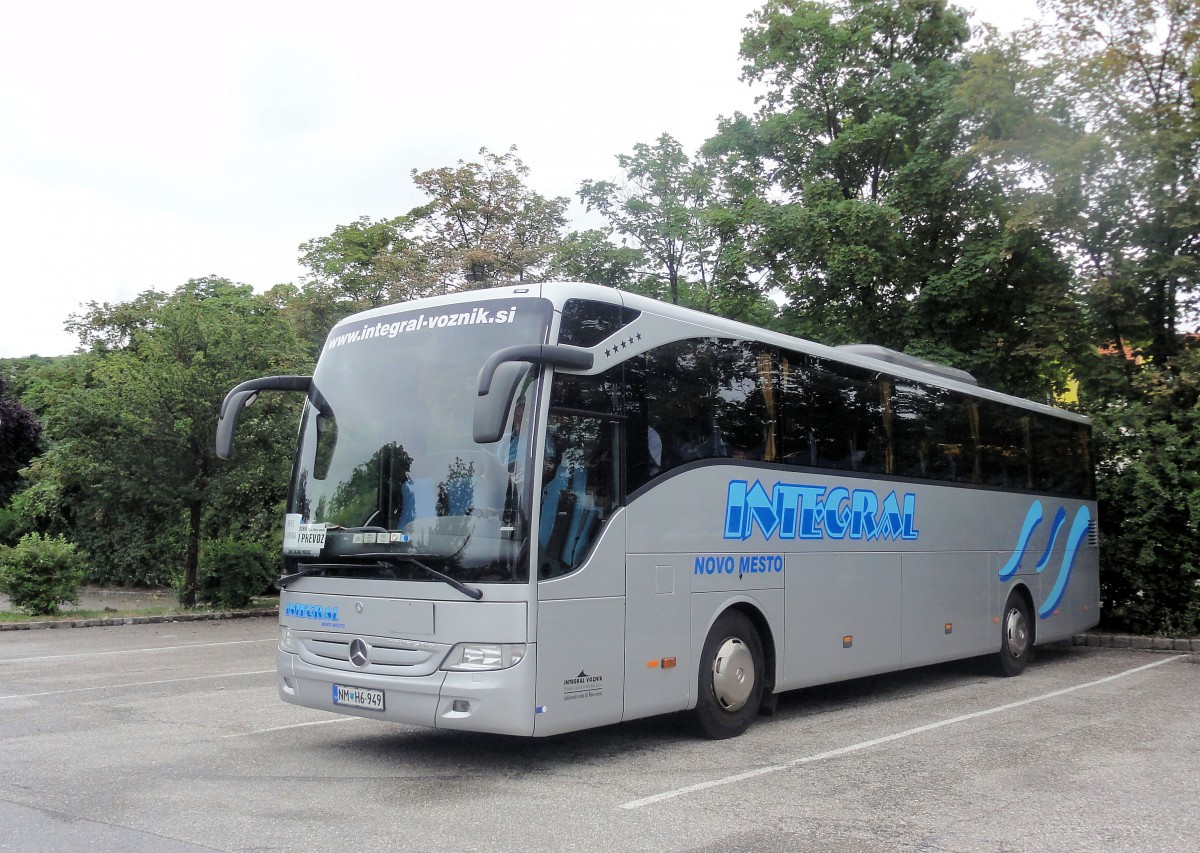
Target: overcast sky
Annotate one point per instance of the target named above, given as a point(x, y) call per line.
point(146, 143)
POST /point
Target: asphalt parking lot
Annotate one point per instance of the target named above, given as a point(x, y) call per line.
point(167, 737)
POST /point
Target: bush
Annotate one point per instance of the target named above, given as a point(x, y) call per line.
point(233, 570)
point(1149, 493)
point(38, 574)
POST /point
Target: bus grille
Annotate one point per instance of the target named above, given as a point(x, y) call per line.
point(386, 656)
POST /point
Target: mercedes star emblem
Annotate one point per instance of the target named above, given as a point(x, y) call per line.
point(358, 652)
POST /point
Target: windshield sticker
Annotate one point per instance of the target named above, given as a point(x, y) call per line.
point(474, 317)
point(300, 539)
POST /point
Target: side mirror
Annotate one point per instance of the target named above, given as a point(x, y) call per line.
point(504, 367)
point(242, 396)
point(489, 412)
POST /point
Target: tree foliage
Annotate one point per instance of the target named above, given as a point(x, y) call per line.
point(660, 204)
point(19, 432)
point(39, 574)
point(593, 256)
point(1130, 74)
point(1149, 491)
point(133, 426)
point(863, 195)
point(482, 224)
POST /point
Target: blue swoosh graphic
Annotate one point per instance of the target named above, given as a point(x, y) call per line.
point(1032, 519)
point(1059, 518)
point(1078, 527)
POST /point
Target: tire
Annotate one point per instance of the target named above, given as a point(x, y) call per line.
point(731, 677)
point(1016, 636)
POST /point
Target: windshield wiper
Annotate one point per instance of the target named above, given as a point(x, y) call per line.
point(380, 560)
point(469, 591)
point(306, 569)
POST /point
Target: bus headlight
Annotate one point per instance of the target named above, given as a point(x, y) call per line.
point(476, 657)
point(285, 640)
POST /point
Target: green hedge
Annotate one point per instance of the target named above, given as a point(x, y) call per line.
point(40, 573)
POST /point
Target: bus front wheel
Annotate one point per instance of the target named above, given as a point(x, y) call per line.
point(1016, 636)
point(731, 677)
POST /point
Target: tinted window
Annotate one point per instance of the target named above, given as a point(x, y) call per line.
point(709, 398)
point(833, 415)
point(1061, 457)
point(1004, 446)
point(586, 322)
point(930, 432)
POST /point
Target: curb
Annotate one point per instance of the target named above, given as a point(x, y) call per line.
point(1130, 641)
point(136, 620)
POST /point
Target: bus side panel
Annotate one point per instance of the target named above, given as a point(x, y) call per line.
point(657, 629)
point(947, 612)
point(843, 617)
point(1073, 606)
point(580, 664)
point(1080, 606)
point(581, 639)
point(1083, 593)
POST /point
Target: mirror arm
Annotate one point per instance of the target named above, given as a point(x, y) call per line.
point(237, 399)
point(555, 355)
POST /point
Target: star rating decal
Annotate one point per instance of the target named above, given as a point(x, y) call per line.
point(622, 344)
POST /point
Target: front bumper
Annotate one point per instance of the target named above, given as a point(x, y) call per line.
point(498, 701)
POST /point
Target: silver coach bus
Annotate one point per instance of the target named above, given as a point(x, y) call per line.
point(532, 510)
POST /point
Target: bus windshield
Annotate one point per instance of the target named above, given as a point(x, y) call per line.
point(388, 481)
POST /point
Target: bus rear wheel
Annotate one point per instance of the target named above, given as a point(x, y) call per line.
point(1016, 636)
point(731, 677)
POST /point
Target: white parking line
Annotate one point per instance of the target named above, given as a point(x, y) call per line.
point(138, 651)
point(293, 726)
point(858, 747)
point(135, 684)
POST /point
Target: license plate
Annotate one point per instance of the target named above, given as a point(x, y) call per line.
point(358, 697)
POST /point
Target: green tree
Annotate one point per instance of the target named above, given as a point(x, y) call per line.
point(865, 195)
point(19, 432)
point(667, 204)
point(362, 265)
point(592, 256)
point(1149, 493)
point(482, 224)
point(1124, 79)
point(1130, 72)
point(133, 428)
